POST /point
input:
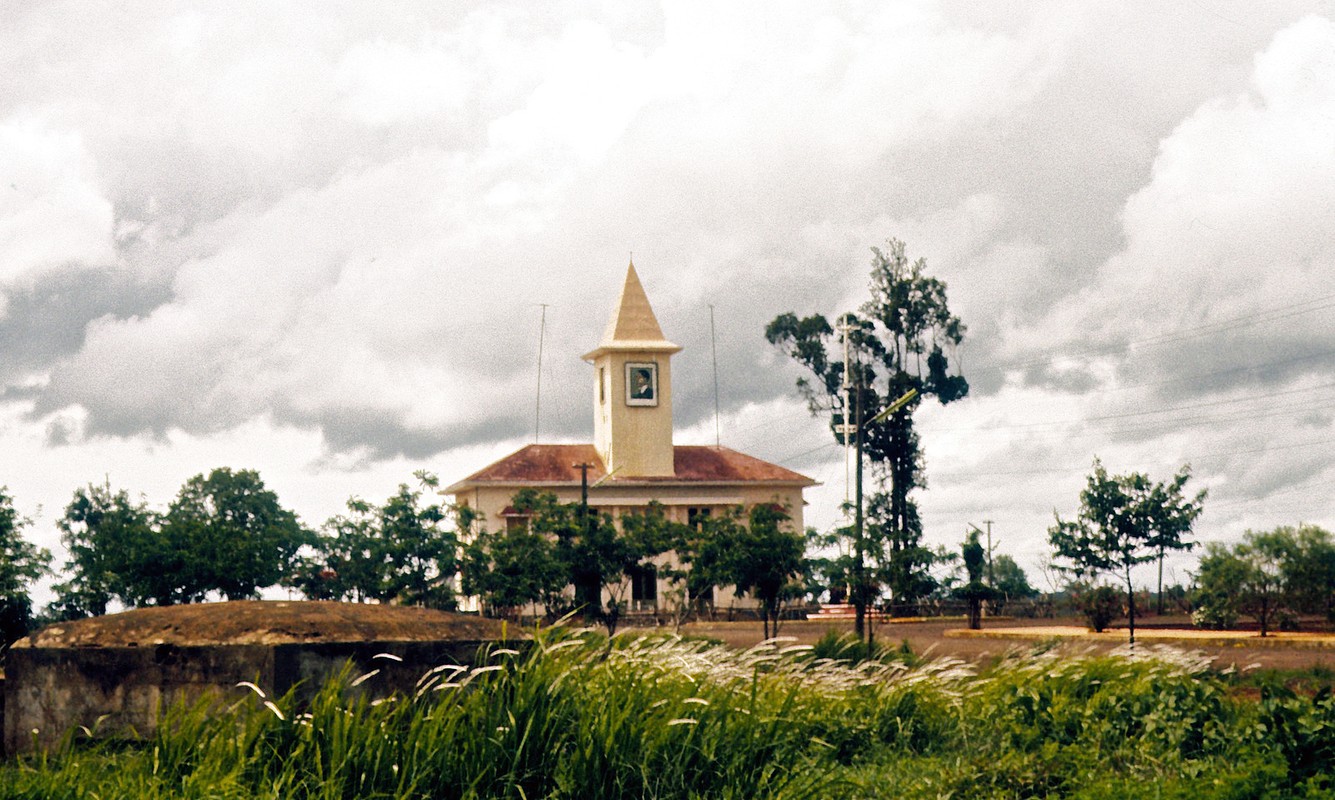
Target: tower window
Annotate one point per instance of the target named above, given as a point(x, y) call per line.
point(602, 385)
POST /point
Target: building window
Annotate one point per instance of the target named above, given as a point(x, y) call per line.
point(643, 587)
point(695, 517)
point(515, 521)
point(641, 384)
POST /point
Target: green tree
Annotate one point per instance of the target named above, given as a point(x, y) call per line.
point(22, 563)
point(1125, 520)
point(1309, 569)
point(419, 548)
point(518, 566)
point(761, 557)
point(348, 563)
point(403, 552)
point(116, 553)
point(902, 338)
point(1266, 575)
point(232, 537)
point(975, 591)
point(1010, 581)
point(1247, 579)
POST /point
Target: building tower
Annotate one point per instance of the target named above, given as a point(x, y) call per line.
point(632, 401)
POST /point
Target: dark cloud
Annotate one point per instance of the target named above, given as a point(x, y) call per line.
point(46, 317)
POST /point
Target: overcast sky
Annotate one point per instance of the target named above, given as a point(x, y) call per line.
point(314, 239)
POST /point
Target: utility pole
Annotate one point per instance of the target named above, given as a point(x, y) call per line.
point(859, 563)
point(844, 329)
point(991, 578)
point(591, 605)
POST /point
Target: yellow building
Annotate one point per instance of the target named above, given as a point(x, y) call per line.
point(632, 459)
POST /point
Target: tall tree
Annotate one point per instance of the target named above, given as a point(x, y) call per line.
point(116, 553)
point(902, 338)
point(1125, 520)
point(22, 563)
point(233, 535)
point(1309, 569)
point(419, 547)
point(975, 591)
point(403, 552)
point(1010, 581)
point(513, 568)
point(761, 556)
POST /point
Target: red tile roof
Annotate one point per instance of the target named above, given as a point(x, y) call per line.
point(555, 463)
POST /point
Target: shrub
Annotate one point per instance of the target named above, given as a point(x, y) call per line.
point(1100, 605)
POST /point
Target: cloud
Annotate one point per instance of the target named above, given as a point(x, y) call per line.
point(1228, 270)
point(383, 289)
point(52, 209)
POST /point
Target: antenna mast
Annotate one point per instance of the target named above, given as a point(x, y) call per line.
point(713, 349)
point(537, 405)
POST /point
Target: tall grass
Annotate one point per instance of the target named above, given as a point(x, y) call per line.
point(578, 716)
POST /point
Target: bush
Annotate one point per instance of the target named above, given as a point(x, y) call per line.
point(1214, 614)
point(1100, 605)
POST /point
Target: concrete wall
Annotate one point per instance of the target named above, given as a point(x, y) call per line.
point(52, 690)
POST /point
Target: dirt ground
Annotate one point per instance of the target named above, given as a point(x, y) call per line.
point(933, 637)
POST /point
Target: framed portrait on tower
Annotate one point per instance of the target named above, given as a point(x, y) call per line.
point(641, 384)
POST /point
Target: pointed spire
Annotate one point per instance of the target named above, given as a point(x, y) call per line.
point(633, 325)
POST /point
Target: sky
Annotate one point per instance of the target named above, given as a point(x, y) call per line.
point(324, 240)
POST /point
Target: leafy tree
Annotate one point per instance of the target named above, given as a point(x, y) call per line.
point(1309, 569)
point(601, 553)
point(976, 591)
point(348, 563)
point(902, 338)
point(1010, 581)
point(21, 564)
point(1219, 582)
point(1125, 520)
point(116, 553)
point(401, 552)
point(513, 568)
point(761, 557)
point(419, 548)
point(1266, 575)
point(232, 537)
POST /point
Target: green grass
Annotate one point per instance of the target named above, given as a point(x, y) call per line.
point(577, 716)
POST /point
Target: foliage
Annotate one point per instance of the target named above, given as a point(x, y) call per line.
point(1125, 520)
point(1099, 605)
point(1010, 581)
point(1309, 568)
point(116, 553)
point(974, 591)
point(402, 551)
point(1266, 576)
point(228, 534)
point(578, 715)
point(761, 557)
point(21, 564)
point(902, 338)
point(512, 568)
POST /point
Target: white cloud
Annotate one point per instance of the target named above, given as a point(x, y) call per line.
point(52, 207)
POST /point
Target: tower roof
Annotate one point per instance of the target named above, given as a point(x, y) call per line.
point(633, 325)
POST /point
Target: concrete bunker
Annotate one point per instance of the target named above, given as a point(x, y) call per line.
point(119, 672)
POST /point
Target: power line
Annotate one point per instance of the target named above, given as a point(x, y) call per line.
point(1244, 321)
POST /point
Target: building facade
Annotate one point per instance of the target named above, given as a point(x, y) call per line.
point(633, 460)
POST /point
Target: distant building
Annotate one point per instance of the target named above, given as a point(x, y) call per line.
point(632, 459)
